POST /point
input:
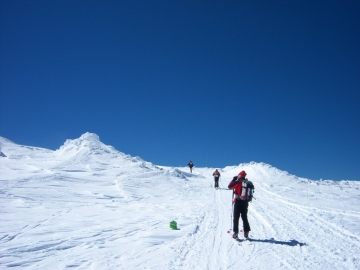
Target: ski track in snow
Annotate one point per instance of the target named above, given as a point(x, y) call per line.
point(100, 209)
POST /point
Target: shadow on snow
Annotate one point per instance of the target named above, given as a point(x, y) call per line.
point(291, 243)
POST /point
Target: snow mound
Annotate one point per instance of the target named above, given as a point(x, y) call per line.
point(87, 141)
point(89, 153)
point(261, 171)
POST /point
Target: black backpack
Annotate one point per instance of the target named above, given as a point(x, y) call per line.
point(250, 191)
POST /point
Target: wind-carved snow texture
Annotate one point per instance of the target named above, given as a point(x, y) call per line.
point(89, 206)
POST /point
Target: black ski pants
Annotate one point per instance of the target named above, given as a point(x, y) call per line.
point(216, 181)
point(241, 209)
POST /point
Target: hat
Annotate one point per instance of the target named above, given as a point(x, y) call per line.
point(242, 173)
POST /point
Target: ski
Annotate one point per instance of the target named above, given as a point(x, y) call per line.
point(237, 239)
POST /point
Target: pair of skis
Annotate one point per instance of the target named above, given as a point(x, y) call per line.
point(237, 239)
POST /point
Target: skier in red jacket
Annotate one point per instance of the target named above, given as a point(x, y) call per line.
point(243, 191)
point(216, 175)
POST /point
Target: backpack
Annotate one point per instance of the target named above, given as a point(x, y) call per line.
point(250, 191)
point(245, 192)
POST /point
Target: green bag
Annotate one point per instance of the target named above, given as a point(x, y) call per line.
point(173, 225)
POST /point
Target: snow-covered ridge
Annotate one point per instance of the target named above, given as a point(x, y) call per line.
point(4, 140)
point(16, 151)
point(89, 149)
point(81, 154)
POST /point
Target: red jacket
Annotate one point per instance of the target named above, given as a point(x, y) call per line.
point(242, 190)
point(216, 174)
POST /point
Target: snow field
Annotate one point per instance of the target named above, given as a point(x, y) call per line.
point(88, 206)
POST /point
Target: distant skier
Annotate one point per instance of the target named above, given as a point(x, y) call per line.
point(191, 165)
point(216, 175)
point(243, 191)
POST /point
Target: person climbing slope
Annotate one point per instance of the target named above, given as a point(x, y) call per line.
point(243, 190)
point(216, 175)
point(191, 165)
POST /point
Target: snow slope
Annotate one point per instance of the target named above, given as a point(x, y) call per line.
point(89, 206)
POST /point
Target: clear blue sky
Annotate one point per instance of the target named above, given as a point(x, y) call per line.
point(216, 82)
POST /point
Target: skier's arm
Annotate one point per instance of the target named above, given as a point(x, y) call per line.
point(233, 183)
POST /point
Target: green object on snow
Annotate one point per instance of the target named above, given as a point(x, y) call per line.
point(173, 225)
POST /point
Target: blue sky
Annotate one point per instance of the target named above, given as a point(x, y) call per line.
point(216, 82)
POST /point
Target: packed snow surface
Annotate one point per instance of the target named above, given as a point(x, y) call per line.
point(89, 206)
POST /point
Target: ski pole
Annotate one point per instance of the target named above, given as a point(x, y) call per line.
point(232, 209)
